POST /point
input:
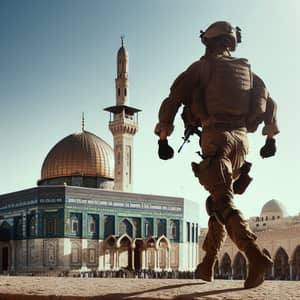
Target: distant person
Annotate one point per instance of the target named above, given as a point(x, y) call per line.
point(222, 95)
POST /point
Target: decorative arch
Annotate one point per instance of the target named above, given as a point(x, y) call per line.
point(162, 240)
point(150, 242)
point(225, 267)
point(281, 264)
point(296, 264)
point(239, 266)
point(110, 242)
point(5, 231)
point(124, 241)
point(126, 227)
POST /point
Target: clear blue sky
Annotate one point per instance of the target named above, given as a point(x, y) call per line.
point(58, 58)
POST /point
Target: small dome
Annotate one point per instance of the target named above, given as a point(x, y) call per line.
point(83, 154)
point(273, 207)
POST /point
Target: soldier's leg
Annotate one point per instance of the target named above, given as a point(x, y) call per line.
point(240, 233)
point(224, 153)
point(212, 244)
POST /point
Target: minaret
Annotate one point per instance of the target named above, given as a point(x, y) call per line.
point(123, 125)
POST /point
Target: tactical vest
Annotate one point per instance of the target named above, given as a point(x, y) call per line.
point(229, 88)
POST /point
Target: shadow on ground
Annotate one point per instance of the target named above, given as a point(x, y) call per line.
point(142, 295)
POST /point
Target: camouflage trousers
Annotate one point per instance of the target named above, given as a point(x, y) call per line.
point(224, 153)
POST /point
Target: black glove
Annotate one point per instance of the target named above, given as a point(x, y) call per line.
point(269, 149)
point(164, 150)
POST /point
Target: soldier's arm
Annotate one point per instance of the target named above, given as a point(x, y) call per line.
point(180, 92)
point(265, 109)
point(270, 128)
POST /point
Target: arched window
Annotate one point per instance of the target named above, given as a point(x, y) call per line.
point(125, 227)
point(173, 230)
point(125, 92)
point(109, 226)
point(92, 225)
point(32, 226)
point(161, 227)
point(74, 224)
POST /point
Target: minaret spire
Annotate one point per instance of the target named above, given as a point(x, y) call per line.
point(82, 122)
point(123, 126)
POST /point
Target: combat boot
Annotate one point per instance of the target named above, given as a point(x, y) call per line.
point(258, 265)
point(205, 270)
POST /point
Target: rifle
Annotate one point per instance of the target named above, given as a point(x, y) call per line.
point(187, 133)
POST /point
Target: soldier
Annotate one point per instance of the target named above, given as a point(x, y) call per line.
point(221, 94)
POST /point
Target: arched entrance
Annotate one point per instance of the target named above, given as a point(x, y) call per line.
point(296, 264)
point(163, 250)
point(239, 267)
point(4, 259)
point(6, 235)
point(150, 254)
point(281, 265)
point(124, 252)
point(110, 260)
point(226, 271)
point(138, 248)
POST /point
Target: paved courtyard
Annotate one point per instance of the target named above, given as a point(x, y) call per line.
point(24, 288)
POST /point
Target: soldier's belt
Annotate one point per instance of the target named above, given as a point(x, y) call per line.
point(225, 125)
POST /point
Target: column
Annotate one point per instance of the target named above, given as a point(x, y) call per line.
point(12, 256)
point(104, 262)
point(132, 258)
point(169, 259)
point(154, 226)
point(36, 222)
point(155, 259)
point(142, 228)
point(146, 259)
point(24, 224)
point(117, 259)
point(84, 225)
point(101, 227)
point(291, 270)
point(143, 259)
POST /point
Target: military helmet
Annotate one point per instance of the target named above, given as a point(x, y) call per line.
point(221, 29)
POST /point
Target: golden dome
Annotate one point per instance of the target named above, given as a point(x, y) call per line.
point(83, 154)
